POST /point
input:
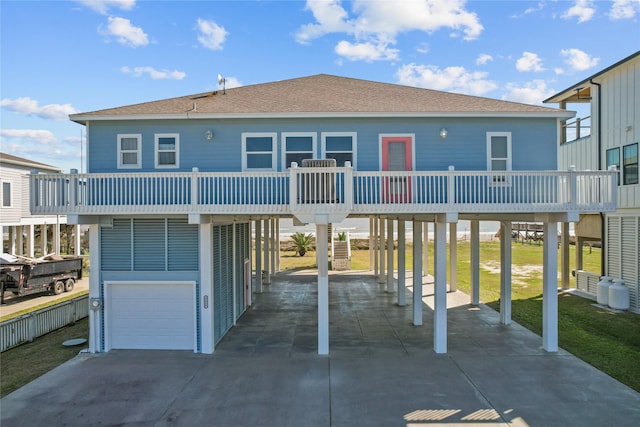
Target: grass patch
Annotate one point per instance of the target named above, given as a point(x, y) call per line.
point(23, 364)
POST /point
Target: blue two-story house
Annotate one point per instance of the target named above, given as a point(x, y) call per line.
point(176, 189)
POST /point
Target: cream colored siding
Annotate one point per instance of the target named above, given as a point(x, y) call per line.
point(581, 153)
point(621, 118)
point(13, 175)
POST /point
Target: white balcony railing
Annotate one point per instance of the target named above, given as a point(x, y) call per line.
point(336, 190)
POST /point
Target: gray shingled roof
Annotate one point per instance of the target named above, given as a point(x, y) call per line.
point(320, 94)
point(15, 160)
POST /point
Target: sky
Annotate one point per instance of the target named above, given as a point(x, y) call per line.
point(63, 57)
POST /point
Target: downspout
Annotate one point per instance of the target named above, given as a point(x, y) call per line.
point(602, 216)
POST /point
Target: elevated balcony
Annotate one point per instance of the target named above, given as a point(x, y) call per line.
point(333, 192)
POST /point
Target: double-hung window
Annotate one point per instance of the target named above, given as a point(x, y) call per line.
point(129, 151)
point(167, 154)
point(258, 151)
point(297, 147)
point(340, 146)
point(6, 194)
point(613, 159)
point(499, 155)
point(630, 164)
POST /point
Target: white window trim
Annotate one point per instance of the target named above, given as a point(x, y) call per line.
point(285, 135)
point(490, 135)
point(138, 136)
point(246, 135)
point(157, 137)
point(354, 145)
point(10, 205)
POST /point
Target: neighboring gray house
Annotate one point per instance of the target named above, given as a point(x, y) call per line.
point(608, 136)
point(18, 223)
point(176, 188)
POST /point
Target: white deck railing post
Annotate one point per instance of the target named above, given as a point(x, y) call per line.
point(348, 186)
point(451, 194)
point(73, 188)
point(573, 188)
point(194, 188)
point(293, 185)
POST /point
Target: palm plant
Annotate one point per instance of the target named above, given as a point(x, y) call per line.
point(302, 242)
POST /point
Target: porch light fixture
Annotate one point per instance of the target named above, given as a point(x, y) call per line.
point(443, 133)
point(209, 135)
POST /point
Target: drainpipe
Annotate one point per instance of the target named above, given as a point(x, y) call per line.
point(602, 216)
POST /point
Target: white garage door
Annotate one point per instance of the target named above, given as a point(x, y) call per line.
point(150, 315)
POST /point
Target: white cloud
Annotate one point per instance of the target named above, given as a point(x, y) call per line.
point(366, 51)
point(529, 62)
point(154, 74)
point(29, 135)
point(103, 6)
point(126, 33)
point(579, 60)
point(533, 92)
point(483, 59)
point(453, 79)
point(582, 9)
point(624, 9)
point(558, 70)
point(212, 36)
point(376, 24)
point(30, 107)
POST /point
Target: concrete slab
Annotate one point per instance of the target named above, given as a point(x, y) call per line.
point(381, 371)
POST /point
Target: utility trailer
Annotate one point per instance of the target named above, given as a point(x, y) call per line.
point(24, 276)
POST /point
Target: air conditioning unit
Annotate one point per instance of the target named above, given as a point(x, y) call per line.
point(317, 187)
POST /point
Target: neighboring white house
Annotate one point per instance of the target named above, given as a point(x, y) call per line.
point(609, 136)
point(18, 224)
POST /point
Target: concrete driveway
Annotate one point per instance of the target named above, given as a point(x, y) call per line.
point(381, 371)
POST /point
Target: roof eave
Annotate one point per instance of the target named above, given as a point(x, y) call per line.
point(83, 119)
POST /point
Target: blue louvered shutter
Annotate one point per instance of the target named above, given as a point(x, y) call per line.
point(229, 269)
point(115, 246)
point(217, 283)
point(149, 244)
point(183, 245)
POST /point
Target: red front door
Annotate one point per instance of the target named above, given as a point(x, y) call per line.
point(397, 157)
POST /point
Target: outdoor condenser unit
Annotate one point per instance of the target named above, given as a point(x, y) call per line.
point(318, 187)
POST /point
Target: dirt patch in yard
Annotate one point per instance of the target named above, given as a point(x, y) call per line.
point(520, 274)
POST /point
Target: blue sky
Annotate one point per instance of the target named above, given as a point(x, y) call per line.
point(62, 57)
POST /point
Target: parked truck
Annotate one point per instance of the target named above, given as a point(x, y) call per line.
point(24, 276)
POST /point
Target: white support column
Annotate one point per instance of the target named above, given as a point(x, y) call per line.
point(453, 256)
point(371, 239)
point(20, 240)
point(274, 248)
point(550, 287)
point(277, 248)
point(267, 251)
point(417, 276)
point(376, 246)
point(402, 270)
point(565, 256)
point(382, 254)
point(505, 272)
point(425, 249)
point(95, 318)
point(258, 238)
point(206, 288)
point(475, 262)
point(77, 245)
point(440, 288)
point(389, 282)
point(12, 239)
point(56, 236)
point(323, 288)
point(43, 239)
point(31, 240)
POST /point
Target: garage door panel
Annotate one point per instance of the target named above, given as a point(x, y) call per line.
point(151, 315)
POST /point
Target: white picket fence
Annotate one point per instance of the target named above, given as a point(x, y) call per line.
point(29, 326)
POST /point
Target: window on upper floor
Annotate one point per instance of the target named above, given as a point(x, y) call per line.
point(499, 155)
point(296, 147)
point(167, 150)
point(613, 159)
point(340, 146)
point(6, 194)
point(630, 164)
point(258, 151)
point(129, 151)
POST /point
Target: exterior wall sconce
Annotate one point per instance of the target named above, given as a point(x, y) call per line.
point(443, 133)
point(209, 135)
